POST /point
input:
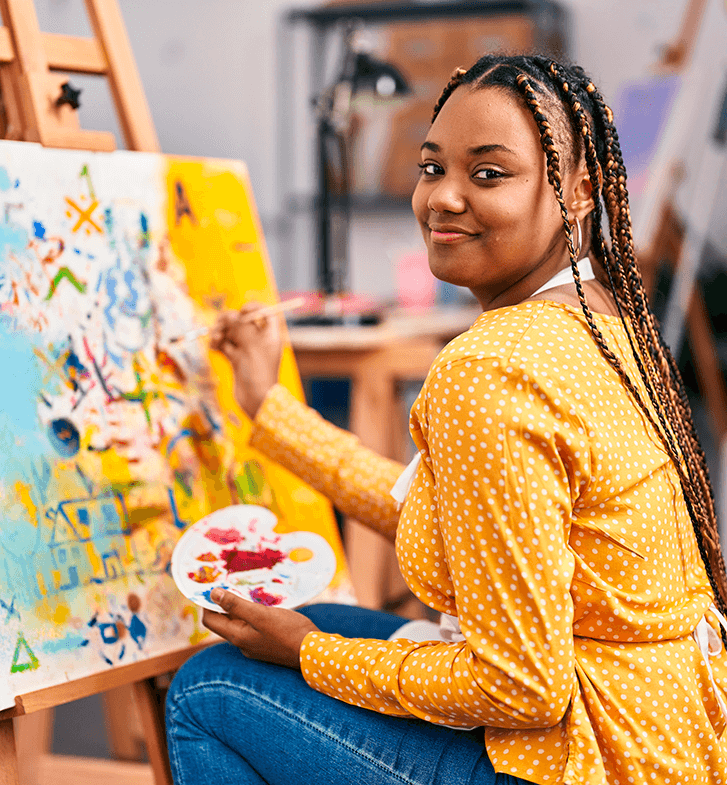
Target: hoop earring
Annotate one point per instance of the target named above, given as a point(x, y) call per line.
point(580, 240)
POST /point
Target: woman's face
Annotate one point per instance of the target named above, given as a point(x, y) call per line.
point(490, 218)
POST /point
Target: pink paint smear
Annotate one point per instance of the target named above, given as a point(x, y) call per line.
point(262, 597)
point(223, 536)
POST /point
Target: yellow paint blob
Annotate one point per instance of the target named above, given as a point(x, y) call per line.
point(61, 614)
point(22, 491)
point(301, 554)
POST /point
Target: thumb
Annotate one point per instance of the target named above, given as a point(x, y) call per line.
point(236, 607)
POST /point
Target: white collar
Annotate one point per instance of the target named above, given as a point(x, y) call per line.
point(566, 276)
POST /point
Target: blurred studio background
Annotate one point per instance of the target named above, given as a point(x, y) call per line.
point(328, 104)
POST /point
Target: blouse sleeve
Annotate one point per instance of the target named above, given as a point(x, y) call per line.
point(503, 462)
point(357, 480)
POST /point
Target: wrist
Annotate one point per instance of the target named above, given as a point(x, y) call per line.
point(252, 401)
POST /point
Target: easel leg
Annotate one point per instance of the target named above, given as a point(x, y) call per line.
point(33, 743)
point(8, 758)
point(123, 723)
point(151, 711)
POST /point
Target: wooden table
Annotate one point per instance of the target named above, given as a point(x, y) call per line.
point(376, 359)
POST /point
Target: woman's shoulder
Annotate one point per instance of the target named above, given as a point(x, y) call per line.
point(532, 333)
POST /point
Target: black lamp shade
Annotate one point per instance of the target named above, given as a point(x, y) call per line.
point(375, 76)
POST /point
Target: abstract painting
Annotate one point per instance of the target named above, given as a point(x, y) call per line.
point(114, 437)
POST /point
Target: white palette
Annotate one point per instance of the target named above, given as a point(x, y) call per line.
point(236, 549)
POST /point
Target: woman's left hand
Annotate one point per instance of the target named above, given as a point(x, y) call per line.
point(262, 633)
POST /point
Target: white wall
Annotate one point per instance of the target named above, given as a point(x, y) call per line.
point(209, 70)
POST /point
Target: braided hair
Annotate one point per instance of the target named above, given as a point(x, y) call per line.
point(563, 97)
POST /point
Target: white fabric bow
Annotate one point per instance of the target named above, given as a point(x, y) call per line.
point(710, 644)
point(402, 485)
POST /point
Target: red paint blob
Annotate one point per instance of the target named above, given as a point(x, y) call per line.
point(223, 536)
point(262, 597)
point(240, 561)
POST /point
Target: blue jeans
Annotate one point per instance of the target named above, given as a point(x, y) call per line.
point(235, 720)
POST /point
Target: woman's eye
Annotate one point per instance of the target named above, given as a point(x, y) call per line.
point(488, 174)
point(431, 169)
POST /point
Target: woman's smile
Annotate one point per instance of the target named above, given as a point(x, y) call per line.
point(447, 234)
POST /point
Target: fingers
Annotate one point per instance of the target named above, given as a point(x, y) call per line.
point(238, 327)
point(237, 625)
point(237, 608)
point(270, 634)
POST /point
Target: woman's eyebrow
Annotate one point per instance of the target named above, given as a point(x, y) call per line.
point(490, 148)
point(479, 150)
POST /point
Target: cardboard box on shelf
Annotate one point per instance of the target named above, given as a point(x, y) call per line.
point(427, 53)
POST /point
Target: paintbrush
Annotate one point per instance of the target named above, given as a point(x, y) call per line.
point(253, 316)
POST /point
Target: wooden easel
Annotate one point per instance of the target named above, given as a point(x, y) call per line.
point(667, 246)
point(31, 63)
point(32, 66)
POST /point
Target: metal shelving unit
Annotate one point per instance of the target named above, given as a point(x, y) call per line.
point(307, 40)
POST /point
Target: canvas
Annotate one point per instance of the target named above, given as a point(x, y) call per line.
point(114, 437)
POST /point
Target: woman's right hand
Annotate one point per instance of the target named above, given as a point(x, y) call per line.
point(254, 348)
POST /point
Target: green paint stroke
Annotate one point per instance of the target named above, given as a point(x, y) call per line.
point(22, 648)
point(64, 272)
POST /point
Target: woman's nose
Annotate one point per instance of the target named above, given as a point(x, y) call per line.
point(447, 197)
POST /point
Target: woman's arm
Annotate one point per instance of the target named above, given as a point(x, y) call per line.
point(504, 465)
point(333, 461)
point(357, 480)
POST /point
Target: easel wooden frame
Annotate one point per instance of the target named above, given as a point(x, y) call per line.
point(669, 243)
point(138, 675)
point(30, 83)
point(667, 246)
point(29, 64)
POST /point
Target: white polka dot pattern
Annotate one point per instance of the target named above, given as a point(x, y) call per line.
point(546, 516)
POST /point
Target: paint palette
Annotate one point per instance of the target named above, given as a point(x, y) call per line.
point(236, 549)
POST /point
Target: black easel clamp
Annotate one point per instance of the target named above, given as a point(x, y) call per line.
point(69, 95)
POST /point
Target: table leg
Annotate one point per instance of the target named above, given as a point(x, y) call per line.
point(372, 409)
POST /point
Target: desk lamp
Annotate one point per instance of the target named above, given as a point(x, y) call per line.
point(361, 74)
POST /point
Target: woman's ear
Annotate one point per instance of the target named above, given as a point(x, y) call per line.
point(581, 202)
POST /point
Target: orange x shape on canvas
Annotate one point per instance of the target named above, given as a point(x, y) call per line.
point(85, 215)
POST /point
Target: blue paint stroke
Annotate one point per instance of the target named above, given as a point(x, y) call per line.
point(22, 442)
point(11, 609)
point(144, 221)
point(137, 630)
point(131, 301)
point(5, 183)
point(13, 238)
point(68, 643)
point(109, 632)
point(180, 524)
point(38, 230)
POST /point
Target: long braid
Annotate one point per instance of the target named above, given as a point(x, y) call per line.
point(594, 132)
point(570, 94)
point(668, 372)
point(553, 169)
point(667, 392)
point(555, 180)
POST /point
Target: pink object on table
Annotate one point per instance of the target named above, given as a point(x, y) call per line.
point(415, 284)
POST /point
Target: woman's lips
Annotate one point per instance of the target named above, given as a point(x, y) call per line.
point(448, 235)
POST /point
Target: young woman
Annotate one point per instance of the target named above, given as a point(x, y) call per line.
point(558, 514)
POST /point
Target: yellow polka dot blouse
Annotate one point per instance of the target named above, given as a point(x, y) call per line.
point(547, 517)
